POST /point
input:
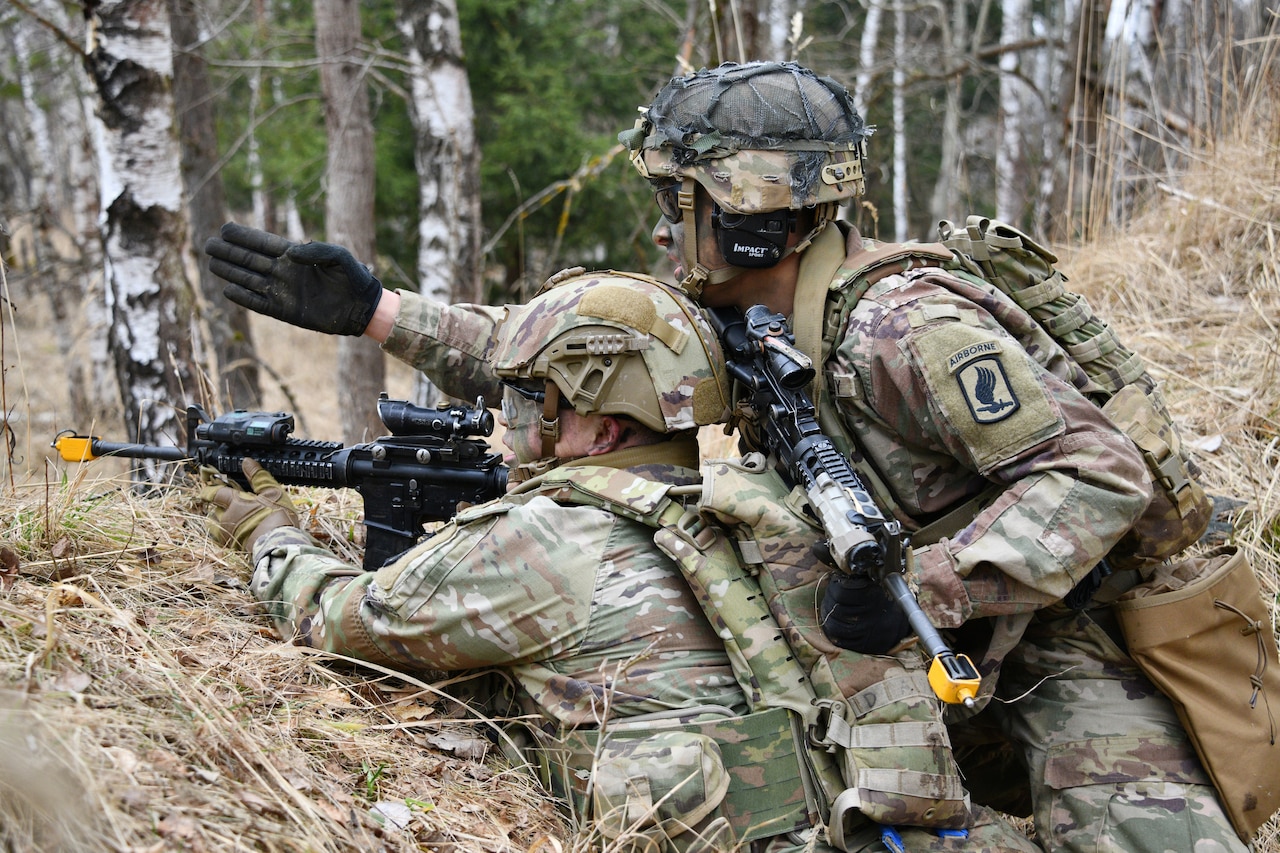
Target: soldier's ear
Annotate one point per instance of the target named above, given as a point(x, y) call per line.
point(610, 432)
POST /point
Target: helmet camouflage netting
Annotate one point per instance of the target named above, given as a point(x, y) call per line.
point(758, 136)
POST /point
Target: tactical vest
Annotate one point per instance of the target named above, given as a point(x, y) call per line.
point(833, 737)
point(1058, 328)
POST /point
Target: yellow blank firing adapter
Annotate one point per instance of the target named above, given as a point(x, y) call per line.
point(954, 679)
point(74, 448)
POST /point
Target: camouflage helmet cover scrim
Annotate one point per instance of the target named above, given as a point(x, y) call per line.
point(618, 343)
point(758, 136)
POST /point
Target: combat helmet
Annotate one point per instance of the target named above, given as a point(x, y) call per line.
point(615, 343)
point(758, 137)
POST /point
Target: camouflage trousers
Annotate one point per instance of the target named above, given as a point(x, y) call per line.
point(1100, 751)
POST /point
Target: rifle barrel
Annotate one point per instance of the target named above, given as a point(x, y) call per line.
point(82, 448)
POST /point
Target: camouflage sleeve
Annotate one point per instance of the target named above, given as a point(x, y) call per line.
point(489, 589)
point(960, 393)
point(449, 343)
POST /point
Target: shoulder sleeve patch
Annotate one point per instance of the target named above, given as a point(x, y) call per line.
point(986, 391)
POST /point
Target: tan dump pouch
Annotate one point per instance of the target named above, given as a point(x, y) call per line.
point(690, 787)
point(1201, 632)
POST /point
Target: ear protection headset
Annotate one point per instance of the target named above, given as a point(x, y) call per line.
point(752, 240)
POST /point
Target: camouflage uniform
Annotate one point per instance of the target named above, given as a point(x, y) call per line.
point(589, 618)
point(944, 402)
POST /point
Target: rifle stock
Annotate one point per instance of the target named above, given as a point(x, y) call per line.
point(418, 474)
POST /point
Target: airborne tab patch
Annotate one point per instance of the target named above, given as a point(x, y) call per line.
point(986, 389)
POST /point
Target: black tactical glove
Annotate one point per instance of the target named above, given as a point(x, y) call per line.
point(858, 615)
point(317, 286)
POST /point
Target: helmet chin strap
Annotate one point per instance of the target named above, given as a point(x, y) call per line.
point(549, 430)
point(697, 276)
point(549, 424)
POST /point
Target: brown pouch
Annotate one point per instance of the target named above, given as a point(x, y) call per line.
point(1201, 632)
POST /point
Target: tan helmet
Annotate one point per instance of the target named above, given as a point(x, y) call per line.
point(616, 343)
point(758, 137)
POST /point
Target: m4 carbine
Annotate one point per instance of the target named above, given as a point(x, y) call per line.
point(431, 462)
point(761, 355)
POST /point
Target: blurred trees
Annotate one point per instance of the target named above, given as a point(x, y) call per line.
point(236, 372)
point(348, 197)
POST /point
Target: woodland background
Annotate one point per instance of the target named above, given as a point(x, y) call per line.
point(469, 150)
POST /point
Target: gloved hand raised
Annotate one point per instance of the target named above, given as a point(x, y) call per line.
point(858, 615)
point(236, 517)
point(318, 286)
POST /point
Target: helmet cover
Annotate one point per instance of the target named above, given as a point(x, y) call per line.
point(758, 136)
point(618, 343)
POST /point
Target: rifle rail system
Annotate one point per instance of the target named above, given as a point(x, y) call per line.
point(432, 460)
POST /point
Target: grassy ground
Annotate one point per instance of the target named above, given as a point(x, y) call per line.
point(145, 706)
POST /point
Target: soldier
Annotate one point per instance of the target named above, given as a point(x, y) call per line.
point(602, 378)
point(1013, 485)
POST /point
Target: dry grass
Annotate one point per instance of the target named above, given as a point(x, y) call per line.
point(145, 706)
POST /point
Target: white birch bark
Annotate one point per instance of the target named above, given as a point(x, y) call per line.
point(447, 160)
point(1011, 157)
point(867, 57)
point(64, 200)
point(901, 210)
point(947, 190)
point(1130, 36)
point(144, 223)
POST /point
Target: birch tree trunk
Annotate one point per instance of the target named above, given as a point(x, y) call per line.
point(64, 204)
point(784, 29)
point(862, 94)
point(1083, 113)
point(947, 191)
point(867, 58)
point(236, 365)
point(447, 160)
point(144, 223)
point(1011, 156)
point(348, 208)
point(1130, 41)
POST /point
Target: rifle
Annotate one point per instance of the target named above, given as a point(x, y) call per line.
point(419, 473)
point(761, 355)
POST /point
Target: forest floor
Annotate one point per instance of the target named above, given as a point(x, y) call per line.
point(145, 706)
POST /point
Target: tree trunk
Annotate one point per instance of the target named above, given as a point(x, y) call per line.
point(236, 376)
point(785, 35)
point(149, 296)
point(348, 206)
point(738, 30)
point(1083, 113)
point(49, 265)
point(447, 160)
point(945, 202)
point(901, 203)
point(1011, 156)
